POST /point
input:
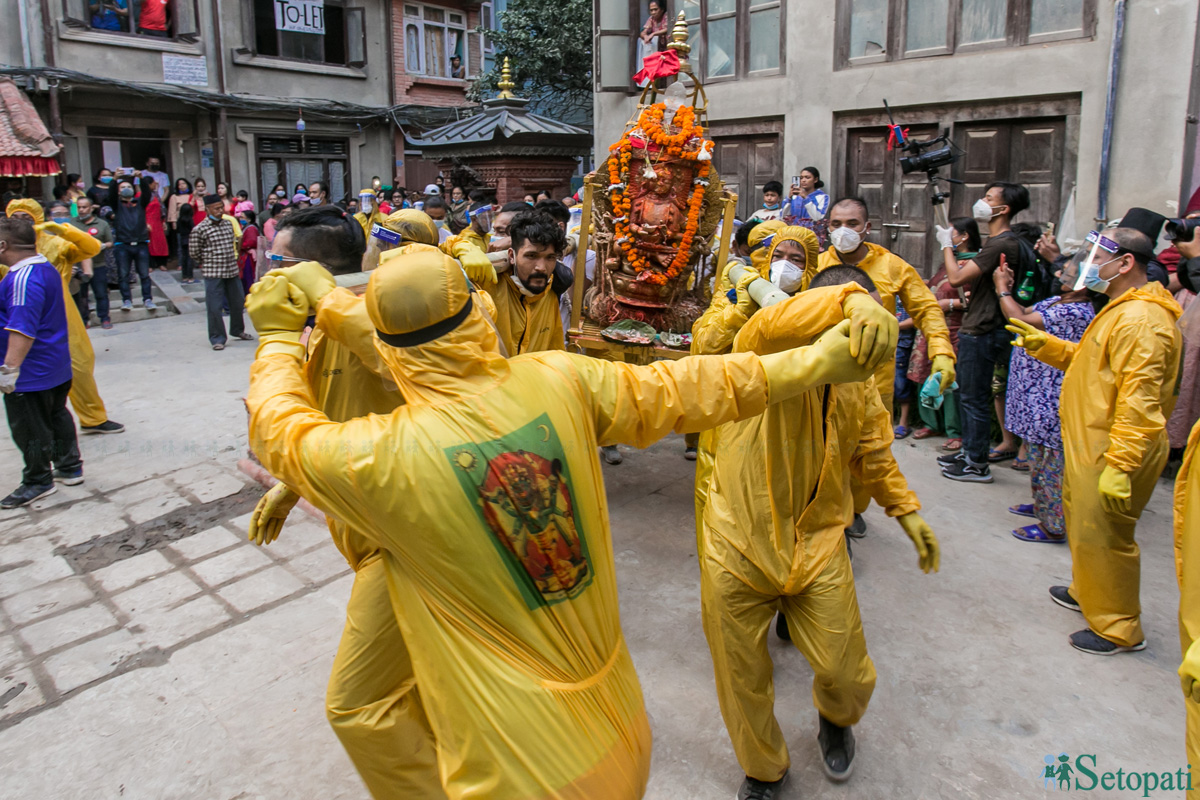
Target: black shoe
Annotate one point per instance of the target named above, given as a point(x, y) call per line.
point(72, 477)
point(968, 473)
point(611, 454)
point(1089, 641)
point(858, 528)
point(26, 494)
point(837, 750)
point(690, 454)
point(781, 628)
point(1062, 596)
point(952, 458)
point(761, 790)
point(108, 426)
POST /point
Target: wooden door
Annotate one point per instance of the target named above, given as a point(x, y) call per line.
point(898, 205)
point(1025, 151)
point(746, 164)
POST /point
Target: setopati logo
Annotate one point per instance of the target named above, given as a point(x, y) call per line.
point(1084, 774)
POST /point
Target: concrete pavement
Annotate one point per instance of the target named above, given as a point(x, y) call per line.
point(148, 651)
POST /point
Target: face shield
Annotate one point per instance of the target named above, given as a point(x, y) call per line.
point(1100, 250)
point(379, 242)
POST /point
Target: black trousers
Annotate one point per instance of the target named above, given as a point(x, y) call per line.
point(44, 431)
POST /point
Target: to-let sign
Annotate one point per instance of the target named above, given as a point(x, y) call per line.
point(300, 16)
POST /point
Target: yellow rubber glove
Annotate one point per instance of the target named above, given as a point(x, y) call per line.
point(745, 303)
point(874, 332)
point(1028, 336)
point(1116, 491)
point(278, 309)
point(477, 265)
point(269, 515)
point(1189, 672)
point(313, 279)
point(944, 365)
point(52, 228)
point(928, 550)
point(825, 361)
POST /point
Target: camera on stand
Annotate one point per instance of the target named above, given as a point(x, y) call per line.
point(922, 157)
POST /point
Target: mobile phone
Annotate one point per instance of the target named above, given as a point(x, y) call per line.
point(795, 180)
point(1049, 228)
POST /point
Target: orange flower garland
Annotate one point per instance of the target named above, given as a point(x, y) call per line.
point(651, 124)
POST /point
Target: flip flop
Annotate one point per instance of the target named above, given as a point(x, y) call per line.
point(923, 433)
point(952, 444)
point(1021, 464)
point(1034, 533)
point(995, 456)
point(900, 432)
point(1023, 510)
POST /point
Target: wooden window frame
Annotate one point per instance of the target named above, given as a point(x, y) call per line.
point(741, 70)
point(1017, 33)
point(75, 14)
point(347, 9)
point(421, 22)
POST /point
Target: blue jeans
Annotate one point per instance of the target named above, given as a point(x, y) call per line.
point(127, 256)
point(977, 359)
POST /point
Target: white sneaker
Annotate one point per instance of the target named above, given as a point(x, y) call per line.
point(127, 305)
point(149, 305)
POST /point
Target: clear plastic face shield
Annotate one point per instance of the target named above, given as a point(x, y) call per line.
point(480, 219)
point(1100, 250)
point(379, 242)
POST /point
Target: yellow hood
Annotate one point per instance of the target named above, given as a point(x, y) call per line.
point(409, 297)
point(759, 255)
point(31, 207)
point(413, 226)
point(1152, 292)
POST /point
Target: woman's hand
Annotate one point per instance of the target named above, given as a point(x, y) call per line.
point(1047, 247)
point(1003, 276)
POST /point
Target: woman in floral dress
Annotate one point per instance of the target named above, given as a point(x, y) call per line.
point(1031, 411)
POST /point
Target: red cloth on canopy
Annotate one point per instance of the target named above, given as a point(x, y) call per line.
point(28, 166)
point(658, 65)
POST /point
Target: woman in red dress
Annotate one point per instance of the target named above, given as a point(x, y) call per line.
point(158, 233)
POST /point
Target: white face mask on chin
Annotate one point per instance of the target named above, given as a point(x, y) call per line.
point(845, 240)
point(786, 275)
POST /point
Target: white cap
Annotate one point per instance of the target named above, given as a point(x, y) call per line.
point(433, 189)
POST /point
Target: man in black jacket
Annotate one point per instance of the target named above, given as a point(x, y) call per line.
point(128, 196)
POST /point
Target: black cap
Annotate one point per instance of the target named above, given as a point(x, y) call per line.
point(212, 199)
point(1145, 221)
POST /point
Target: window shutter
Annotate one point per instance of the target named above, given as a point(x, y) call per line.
point(75, 14)
point(615, 33)
point(356, 37)
point(184, 12)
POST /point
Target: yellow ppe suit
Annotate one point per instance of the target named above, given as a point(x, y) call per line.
point(1117, 394)
point(376, 216)
point(527, 323)
point(486, 495)
point(714, 331)
point(1187, 555)
point(64, 251)
point(372, 700)
point(773, 538)
point(894, 277)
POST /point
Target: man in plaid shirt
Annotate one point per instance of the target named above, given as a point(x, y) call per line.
point(213, 246)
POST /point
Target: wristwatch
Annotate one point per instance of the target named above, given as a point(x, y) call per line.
point(1006, 294)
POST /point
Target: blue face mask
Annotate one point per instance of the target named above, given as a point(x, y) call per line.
point(771, 206)
point(1092, 279)
point(106, 179)
point(59, 219)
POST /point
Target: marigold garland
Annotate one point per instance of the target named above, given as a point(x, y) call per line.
point(651, 125)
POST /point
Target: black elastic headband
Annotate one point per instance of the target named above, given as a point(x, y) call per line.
point(427, 334)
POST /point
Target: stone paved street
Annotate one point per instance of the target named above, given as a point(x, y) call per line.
point(148, 651)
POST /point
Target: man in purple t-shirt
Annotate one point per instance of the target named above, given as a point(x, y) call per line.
point(35, 375)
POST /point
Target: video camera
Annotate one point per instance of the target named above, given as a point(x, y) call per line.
point(922, 157)
point(1181, 230)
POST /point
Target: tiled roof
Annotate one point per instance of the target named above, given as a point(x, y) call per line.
point(501, 120)
point(22, 133)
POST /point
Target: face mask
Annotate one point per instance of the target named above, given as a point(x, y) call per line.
point(58, 219)
point(982, 212)
point(1092, 279)
point(845, 240)
point(770, 206)
point(440, 224)
point(787, 276)
point(182, 190)
point(106, 179)
point(80, 185)
point(126, 193)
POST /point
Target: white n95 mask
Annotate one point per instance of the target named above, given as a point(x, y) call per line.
point(787, 276)
point(845, 240)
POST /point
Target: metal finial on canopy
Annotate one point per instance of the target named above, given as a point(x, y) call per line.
point(506, 83)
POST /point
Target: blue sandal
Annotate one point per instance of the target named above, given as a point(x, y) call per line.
point(1025, 510)
point(1035, 533)
point(900, 432)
